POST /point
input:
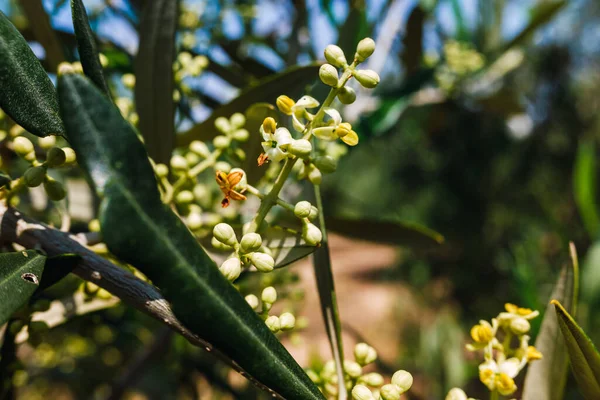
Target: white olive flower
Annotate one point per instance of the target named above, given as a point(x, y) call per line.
point(299, 110)
point(275, 145)
point(499, 376)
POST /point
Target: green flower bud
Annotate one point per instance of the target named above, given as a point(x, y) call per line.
point(302, 209)
point(326, 164)
point(231, 268)
point(128, 80)
point(287, 321)
point(352, 369)
point(223, 166)
point(365, 48)
point(237, 120)
point(184, 197)
point(47, 142)
point(361, 392)
point(55, 157)
point(314, 175)
point(252, 301)
point(372, 379)
point(22, 146)
point(70, 155)
point(456, 394)
point(222, 124)
point(311, 234)
point(314, 213)
point(273, 323)
point(269, 295)
point(284, 104)
point(367, 78)
point(54, 189)
point(220, 246)
point(241, 135)
point(364, 354)
point(161, 170)
point(250, 242)
point(224, 233)
point(346, 95)
point(179, 163)
point(34, 176)
point(221, 142)
point(520, 326)
point(194, 221)
point(201, 193)
point(263, 262)
point(192, 158)
point(390, 392)
point(300, 148)
point(200, 148)
point(402, 379)
point(329, 75)
point(335, 55)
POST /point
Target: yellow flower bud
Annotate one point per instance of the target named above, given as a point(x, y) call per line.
point(390, 392)
point(372, 379)
point(285, 104)
point(231, 268)
point(329, 75)
point(250, 242)
point(269, 295)
point(364, 354)
point(179, 163)
point(287, 321)
point(241, 135)
point(402, 379)
point(533, 354)
point(273, 323)
point(70, 155)
point(367, 78)
point(252, 301)
point(346, 95)
point(351, 139)
point(263, 262)
point(335, 55)
point(482, 333)
point(269, 125)
point(55, 157)
point(520, 326)
point(365, 48)
point(128, 80)
point(218, 245)
point(184, 197)
point(237, 120)
point(161, 170)
point(47, 142)
point(22, 146)
point(34, 176)
point(456, 394)
point(221, 142)
point(194, 221)
point(222, 124)
point(302, 209)
point(224, 233)
point(343, 129)
point(353, 369)
point(199, 148)
point(505, 384)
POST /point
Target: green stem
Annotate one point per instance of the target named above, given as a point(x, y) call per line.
point(494, 395)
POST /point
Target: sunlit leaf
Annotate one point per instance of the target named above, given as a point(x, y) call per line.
point(27, 94)
point(141, 230)
point(154, 77)
point(585, 359)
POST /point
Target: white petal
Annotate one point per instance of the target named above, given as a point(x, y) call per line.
point(334, 114)
point(298, 126)
point(510, 367)
point(490, 364)
point(306, 102)
point(266, 146)
point(276, 154)
point(283, 137)
point(325, 133)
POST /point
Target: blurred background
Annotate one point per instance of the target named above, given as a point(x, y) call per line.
point(484, 128)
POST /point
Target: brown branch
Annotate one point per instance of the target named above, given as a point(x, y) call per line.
point(23, 230)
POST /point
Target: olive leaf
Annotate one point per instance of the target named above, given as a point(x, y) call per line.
point(141, 230)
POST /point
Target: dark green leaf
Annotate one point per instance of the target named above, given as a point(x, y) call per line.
point(27, 94)
point(584, 186)
point(86, 44)
point(289, 82)
point(585, 359)
point(20, 276)
point(546, 378)
point(5, 180)
point(398, 233)
point(57, 268)
point(154, 77)
point(140, 229)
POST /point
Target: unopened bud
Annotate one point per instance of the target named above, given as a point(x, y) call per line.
point(311, 234)
point(390, 392)
point(241, 135)
point(252, 301)
point(250, 242)
point(364, 354)
point(70, 155)
point(231, 268)
point(34, 176)
point(184, 197)
point(361, 392)
point(54, 189)
point(55, 157)
point(22, 146)
point(456, 394)
point(347, 95)
point(222, 166)
point(329, 75)
point(314, 213)
point(200, 148)
point(223, 124)
point(402, 379)
point(314, 175)
point(520, 326)
point(194, 221)
point(263, 262)
point(367, 78)
point(224, 233)
point(372, 379)
point(353, 369)
point(300, 148)
point(285, 104)
point(273, 323)
point(351, 139)
point(219, 246)
point(179, 163)
point(302, 209)
point(269, 295)
point(237, 120)
point(335, 55)
point(161, 170)
point(343, 129)
point(326, 164)
point(287, 321)
point(47, 142)
point(221, 142)
point(365, 48)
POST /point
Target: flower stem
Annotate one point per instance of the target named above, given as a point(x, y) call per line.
point(494, 395)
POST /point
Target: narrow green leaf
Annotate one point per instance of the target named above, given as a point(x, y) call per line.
point(290, 82)
point(140, 229)
point(27, 94)
point(584, 186)
point(86, 44)
point(546, 378)
point(154, 77)
point(20, 276)
point(585, 359)
point(398, 233)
